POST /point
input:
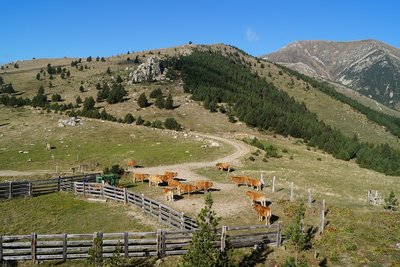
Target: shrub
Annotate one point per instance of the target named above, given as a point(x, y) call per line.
point(391, 202)
point(157, 124)
point(155, 93)
point(172, 124)
point(139, 121)
point(56, 98)
point(129, 118)
point(142, 101)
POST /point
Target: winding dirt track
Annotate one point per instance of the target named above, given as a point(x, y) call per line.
point(185, 169)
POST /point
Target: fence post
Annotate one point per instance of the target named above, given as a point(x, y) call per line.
point(142, 201)
point(273, 184)
point(309, 198)
point(182, 220)
point(292, 191)
point(163, 241)
point(59, 183)
point(33, 246)
point(64, 240)
point(159, 213)
point(1, 248)
point(369, 196)
point(84, 188)
point(279, 235)
point(30, 189)
point(158, 238)
point(126, 244)
point(98, 235)
point(322, 218)
point(75, 189)
point(125, 195)
point(223, 238)
point(10, 187)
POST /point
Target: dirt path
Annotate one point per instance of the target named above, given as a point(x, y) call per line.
point(8, 173)
point(185, 169)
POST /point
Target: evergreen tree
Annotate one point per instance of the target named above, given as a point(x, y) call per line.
point(1, 81)
point(56, 98)
point(202, 252)
point(139, 121)
point(68, 73)
point(62, 75)
point(103, 59)
point(8, 89)
point(129, 118)
point(88, 104)
point(172, 124)
point(108, 71)
point(295, 234)
point(40, 100)
point(97, 58)
point(159, 102)
point(81, 68)
point(58, 70)
point(136, 61)
point(169, 103)
point(78, 100)
point(119, 79)
point(38, 76)
point(81, 89)
point(155, 93)
point(51, 77)
point(142, 101)
point(391, 202)
point(89, 59)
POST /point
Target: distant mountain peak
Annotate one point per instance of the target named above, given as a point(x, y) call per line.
point(368, 66)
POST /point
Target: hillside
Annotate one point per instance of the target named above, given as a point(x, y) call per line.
point(369, 67)
point(216, 90)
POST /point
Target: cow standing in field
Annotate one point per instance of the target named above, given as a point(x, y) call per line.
point(263, 212)
point(140, 177)
point(173, 183)
point(155, 179)
point(169, 194)
point(170, 175)
point(186, 188)
point(257, 197)
point(204, 185)
point(223, 166)
point(240, 180)
point(257, 183)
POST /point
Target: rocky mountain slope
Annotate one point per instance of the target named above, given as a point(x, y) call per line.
point(368, 66)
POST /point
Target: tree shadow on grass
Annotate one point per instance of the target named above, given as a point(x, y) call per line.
point(257, 256)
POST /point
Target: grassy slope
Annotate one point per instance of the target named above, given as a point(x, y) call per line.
point(64, 213)
point(351, 238)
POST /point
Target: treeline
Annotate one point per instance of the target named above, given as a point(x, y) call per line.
point(391, 123)
point(209, 76)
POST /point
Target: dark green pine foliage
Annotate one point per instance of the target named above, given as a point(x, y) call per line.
point(210, 76)
point(142, 101)
point(169, 103)
point(159, 102)
point(40, 99)
point(202, 252)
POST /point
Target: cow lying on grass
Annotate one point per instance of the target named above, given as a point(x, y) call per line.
point(257, 197)
point(263, 212)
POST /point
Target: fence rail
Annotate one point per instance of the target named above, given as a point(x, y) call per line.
point(163, 213)
point(132, 244)
point(40, 187)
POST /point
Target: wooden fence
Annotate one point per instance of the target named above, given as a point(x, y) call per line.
point(40, 187)
point(132, 244)
point(163, 213)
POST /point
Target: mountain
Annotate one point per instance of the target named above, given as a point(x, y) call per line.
point(368, 66)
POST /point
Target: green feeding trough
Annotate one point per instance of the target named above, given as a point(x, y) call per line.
point(111, 179)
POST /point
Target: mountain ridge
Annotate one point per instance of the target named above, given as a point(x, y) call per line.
point(369, 67)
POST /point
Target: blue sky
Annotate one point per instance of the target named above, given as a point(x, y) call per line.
point(79, 28)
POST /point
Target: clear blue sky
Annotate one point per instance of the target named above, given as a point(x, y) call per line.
point(79, 28)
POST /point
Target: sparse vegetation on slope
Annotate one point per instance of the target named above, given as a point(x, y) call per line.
point(213, 78)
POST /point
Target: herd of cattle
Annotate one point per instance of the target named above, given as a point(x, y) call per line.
point(258, 199)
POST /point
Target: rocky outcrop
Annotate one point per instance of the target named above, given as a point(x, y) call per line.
point(368, 66)
point(151, 70)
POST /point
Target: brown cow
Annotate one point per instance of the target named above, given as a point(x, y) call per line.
point(132, 163)
point(263, 212)
point(169, 194)
point(204, 185)
point(140, 177)
point(173, 183)
point(223, 166)
point(239, 180)
point(186, 188)
point(155, 179)
point(170, 175)
point(259, 197)
point(257, 183)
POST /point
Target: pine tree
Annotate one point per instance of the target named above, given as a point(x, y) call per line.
point(129, 118)
point(391, 202)
point(169, 103)
point(1, 81)
point(68, 73)
point(295, 234)
point(81, 89)
point(78, 100)
point(88, 104)
point(139, 121)
point(159, 102)
point(108, 71)
point(202, 252)
point(142, 101)
point(119, 79)
point(38, 76)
